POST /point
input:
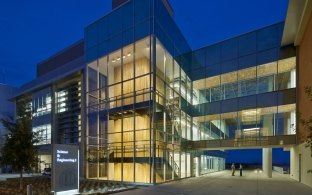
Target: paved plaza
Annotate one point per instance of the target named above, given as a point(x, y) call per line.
point(221, 183)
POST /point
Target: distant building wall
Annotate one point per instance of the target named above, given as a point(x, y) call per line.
point(60, 59)
point(7, 108)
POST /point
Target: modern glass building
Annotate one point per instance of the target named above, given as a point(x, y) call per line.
point(146, 108)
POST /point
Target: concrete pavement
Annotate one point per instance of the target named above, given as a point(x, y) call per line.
point(222, 183)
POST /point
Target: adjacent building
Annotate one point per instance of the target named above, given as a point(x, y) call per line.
point(146, 108)
point(55, 100)
point(7, 111)
point(299, 25)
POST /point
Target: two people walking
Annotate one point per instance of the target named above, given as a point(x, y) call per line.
point(240, 169)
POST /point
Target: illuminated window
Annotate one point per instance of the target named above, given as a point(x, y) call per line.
point(41, 105)
point(61, 101)
point(44, 133)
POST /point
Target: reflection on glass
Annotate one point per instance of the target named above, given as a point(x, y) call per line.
point(250, 123)
point(250, 81)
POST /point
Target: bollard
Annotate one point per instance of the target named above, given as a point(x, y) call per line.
point(29, 189)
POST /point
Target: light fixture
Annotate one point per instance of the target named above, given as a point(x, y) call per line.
point(118, 58)
point(123, 57)
point(129, 54)
point(113, 60)
point(252, 129)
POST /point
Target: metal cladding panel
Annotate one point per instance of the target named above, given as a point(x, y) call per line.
point(248, 50)
point(53, 76)
point(63, 57)
point(116, 3)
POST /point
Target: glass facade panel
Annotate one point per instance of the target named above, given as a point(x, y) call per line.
point(41, 105)
point(268, 38)
point(122, 79)
point(286, 77)
point(44, 132)
point(247, 123)
point(247, 44)
point(229, 49)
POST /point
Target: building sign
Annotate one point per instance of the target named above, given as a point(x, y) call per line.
point(65, 169)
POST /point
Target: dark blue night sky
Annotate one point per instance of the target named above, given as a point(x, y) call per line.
point(32, 30)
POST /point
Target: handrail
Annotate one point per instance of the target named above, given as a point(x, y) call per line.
point(175, 165)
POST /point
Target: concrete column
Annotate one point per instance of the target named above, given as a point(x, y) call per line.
point(267, 162)
point(197, 165)
point(294, 163)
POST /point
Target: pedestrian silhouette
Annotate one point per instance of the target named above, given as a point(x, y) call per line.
point(233, 169)
point(240, 169)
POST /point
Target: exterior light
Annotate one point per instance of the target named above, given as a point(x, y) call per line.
point(123, 57)
point(113, 60)
point(118, 59)
point(129, 54)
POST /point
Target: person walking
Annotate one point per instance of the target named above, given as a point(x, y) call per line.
point(240, 169)
point(233, 169)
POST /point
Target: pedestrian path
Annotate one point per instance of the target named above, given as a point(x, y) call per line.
point(222, 183)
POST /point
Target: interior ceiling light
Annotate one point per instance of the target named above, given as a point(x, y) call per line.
point(250, 115)
point(119, 58)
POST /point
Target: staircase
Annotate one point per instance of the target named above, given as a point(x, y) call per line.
point(172, 168)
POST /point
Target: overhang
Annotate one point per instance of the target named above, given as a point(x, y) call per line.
point(298, 13)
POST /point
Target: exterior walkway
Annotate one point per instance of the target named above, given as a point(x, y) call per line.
point(221, 183)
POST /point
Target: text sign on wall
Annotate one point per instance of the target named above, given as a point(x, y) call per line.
point(65, 173)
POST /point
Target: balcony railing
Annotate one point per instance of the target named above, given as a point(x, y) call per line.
point(254, 142)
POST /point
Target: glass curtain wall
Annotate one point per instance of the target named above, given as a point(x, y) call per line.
point(119, 115)
point(209, 164)
point(172, 125)
point(248, 123)
point(266, 121)
point(263, 78)
point(41, 106)
point(241, 89)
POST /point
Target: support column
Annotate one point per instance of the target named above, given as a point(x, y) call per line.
point(294, 163)
point(198, 165)
point(267, 162)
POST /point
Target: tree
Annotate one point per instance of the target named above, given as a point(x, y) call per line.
point(19, 148)
point(307, 123)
